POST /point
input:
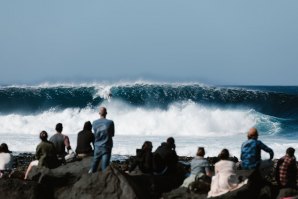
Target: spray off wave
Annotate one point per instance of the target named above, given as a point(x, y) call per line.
point(180, 119)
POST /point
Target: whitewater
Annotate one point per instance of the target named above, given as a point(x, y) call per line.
point(194, 114)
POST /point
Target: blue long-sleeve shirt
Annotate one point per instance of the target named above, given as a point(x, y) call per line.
point(251, 153)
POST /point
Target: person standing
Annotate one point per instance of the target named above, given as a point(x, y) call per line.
point(251, 151)
point(103, 130)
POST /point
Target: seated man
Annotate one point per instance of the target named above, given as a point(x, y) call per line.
point(143, 159)
point(84, 141)
point(286, 170)
point(251, 151)
point(45, 154)
point(199, 167)
point(61, 142)
point(165, 158)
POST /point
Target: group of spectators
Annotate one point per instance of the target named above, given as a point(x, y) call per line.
point(57, 150)
point(163, 161)
point(225, 178)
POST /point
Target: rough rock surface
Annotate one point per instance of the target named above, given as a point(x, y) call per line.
point(73, 181)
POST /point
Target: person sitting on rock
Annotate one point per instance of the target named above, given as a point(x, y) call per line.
point(225, 178)
point(199, 168)
point(165, 158)
point(6, 159)
point(61, 142)
point(143, 159)
point(286, 170)
point(46, 155)
point(85, 140)
point(251, 151)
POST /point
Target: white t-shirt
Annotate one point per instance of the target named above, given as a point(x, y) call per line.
point(5, 161)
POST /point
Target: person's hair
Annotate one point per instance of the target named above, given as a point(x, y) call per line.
point(201, 151)
point(103, 111)
point(5, 148)
point(87, 126)
point(253, 133)
point(147, 145)
point(1, 149)
point(171, 142)
point(59, 127)
point(43, 136)
point(290, 151)
point(224, 154)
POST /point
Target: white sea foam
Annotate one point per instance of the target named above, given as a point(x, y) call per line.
point(180, 119)
point(190, 123)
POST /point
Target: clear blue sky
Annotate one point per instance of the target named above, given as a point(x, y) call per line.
point(218, 42)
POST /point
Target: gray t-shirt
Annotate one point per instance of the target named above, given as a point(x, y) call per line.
point(199, 165)
point(103, 132)
point(58, 141)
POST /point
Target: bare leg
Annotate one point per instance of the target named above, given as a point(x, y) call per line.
point(33, 163)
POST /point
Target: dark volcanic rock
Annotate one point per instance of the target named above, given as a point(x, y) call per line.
point(256, 188)
point(16, 188)
point(73, 181)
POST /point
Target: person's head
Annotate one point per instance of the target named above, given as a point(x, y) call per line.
point(290, 151)
point(103, 112)
point(5, 148)
point(87, 126)
point(147, 146)
point(201, 152)
point(171, 142)
point(253, 133)
point(59, 127)
point(43, 136)
point(224, 154)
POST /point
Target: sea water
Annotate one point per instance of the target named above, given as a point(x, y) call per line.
point(214, 117)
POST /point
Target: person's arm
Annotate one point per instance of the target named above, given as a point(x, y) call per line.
point(208, 171)
point(148, 161)
point(92, 140)
point(133, 165)
point(241, 152)
point(267, 149)
point(67, 143)
point(112, 129)
point(216, 170)
point(38, 152)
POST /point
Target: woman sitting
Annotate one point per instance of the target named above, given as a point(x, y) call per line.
point(199, 168)
point(45, 154)
point(85, 140)
point(6, 160)
point(225, 178)
point(143, 158)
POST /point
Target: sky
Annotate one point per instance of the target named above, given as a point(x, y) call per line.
point(217, 42)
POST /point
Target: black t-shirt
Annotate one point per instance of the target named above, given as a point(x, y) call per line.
point(84, 140)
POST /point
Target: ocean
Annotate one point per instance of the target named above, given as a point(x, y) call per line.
point(195, 114)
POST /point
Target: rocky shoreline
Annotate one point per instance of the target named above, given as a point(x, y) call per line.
point(73, 181)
